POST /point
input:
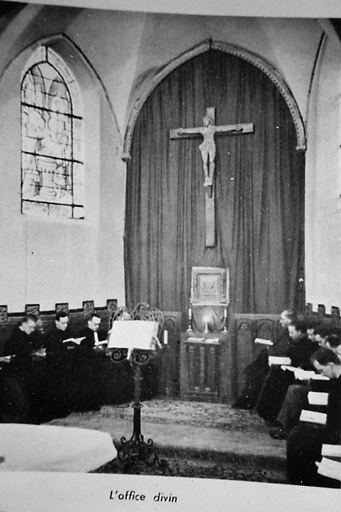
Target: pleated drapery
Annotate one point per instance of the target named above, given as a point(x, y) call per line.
point(259, 187)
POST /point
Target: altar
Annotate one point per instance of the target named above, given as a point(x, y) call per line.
point(202, 345)
point(201, 366)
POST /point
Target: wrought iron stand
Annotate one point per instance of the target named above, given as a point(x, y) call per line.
point(136, 448)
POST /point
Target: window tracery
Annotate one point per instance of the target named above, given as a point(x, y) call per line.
point(51, 124)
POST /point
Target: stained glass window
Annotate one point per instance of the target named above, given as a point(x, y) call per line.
point(51, 123)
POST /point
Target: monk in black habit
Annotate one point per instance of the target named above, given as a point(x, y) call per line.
point(305, 440)
point(278, 380)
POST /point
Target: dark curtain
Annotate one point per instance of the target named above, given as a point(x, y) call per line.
point(259, 184)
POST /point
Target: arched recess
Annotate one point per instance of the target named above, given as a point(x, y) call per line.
point(259, 181)
point(254, 59)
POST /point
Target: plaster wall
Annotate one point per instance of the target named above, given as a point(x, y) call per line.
point(126, 48)
point(50, 261)
point(289, 45)
point(135, 46)
point(323, 183)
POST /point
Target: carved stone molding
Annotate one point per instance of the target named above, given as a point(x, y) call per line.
point(259, 62)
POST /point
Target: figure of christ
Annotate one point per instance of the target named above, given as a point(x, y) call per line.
point(208, 153)
point(207, 147)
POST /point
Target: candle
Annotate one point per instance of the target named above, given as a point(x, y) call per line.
point(165, 337)
point(225, 320)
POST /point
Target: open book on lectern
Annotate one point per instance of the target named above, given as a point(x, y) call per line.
point(134, 334)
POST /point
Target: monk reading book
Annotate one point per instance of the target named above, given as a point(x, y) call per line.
point(305, 440)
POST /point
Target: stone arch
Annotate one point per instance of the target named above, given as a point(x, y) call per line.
point(254, 59)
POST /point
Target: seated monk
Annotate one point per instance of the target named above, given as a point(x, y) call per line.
point(22, 381)
point(296, 398)
point(88, 377)
point(257, 371)
point(305, 440)
point(60, 362)
point(278, 380)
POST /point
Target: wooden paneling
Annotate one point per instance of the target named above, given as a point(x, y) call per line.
point(200, 374)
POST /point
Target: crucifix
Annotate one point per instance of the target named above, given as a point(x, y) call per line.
point(208, 152)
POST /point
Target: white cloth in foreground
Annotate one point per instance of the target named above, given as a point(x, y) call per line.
point(52, 448)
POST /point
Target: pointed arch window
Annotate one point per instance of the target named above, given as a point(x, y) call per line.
point(52, 168)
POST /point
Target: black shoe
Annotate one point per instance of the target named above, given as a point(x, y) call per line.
point(278, 433)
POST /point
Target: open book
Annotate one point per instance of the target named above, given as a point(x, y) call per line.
point(315, 398)
point(279, 360)
point(329, 468)
point(134, 334)
point(318, 376)
point(319, 418)
point(289, 368)
point(39, 353)
point(299, 373)
point(304, 374)
point(331, 450)
point(101, 343)
point(77, 341)
point(195, 340)
point(263, 341)
point(6, 359)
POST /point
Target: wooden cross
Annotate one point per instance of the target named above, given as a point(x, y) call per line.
point(208, 151)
